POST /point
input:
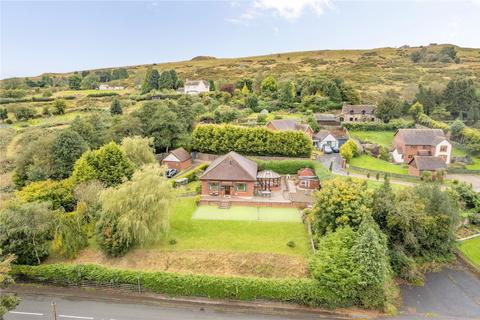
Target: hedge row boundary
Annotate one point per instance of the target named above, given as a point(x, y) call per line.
point(301, 291)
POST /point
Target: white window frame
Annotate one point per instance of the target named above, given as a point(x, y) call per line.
point(237, 187)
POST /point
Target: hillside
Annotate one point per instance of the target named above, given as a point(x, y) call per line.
point(371, 72)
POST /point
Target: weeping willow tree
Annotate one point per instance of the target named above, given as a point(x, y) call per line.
point(7, 301)
point(136, 212)
point(139, 150)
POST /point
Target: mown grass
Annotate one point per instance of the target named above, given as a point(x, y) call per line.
point(369, 162)
point(471, 249)
point(241, 236)
point(383, 138)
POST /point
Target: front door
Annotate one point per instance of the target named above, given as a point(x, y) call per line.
point(227, 190)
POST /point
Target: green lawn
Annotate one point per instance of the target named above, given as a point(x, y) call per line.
point(242, 236)
point(86, 92)
point(471, 249)
point(244, 213)
point(369, 162)
point(383, 138)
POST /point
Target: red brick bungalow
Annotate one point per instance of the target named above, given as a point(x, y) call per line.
point(420, 164)
point(308, 179)
point(179, 159)
point(230, 175)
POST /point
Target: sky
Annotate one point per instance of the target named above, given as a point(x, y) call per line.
point(64, 36)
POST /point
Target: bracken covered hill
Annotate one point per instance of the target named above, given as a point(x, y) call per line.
point(372, 72)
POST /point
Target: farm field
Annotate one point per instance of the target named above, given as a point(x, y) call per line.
point(471, 249)
point(383, 138)
point(369, 162)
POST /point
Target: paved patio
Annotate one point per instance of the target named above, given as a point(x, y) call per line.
point(245, 213)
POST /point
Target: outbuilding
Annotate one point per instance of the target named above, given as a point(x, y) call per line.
point(179, 159)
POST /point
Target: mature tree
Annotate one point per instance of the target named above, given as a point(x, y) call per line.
point(103, 75)
point(125, 126)
point(168, 80)
point(227, 87)
point(59, 107)
point(212, 85)
point(245, 82)
point(460, 97)
point(335, 268)
point(340, 202)
point(7, 301)
point(151, 80)
point(109, 165)
point(251, 101)
point(383, 204)
point(389, 108)
point(74, 82)
point(456, 129)
point(225, 114)
point(67, 147)
point(140, 208)
point(115, 107)
point(163, 124)
point(269, 85)
point(119, 73)
point(349, 150)
point(139, 150)
point(370, 252)
point(26, 231)
point(3, 114)
point(416, 110)
point(288, 92)
point(92, 129)
point(89, 82)
point(428, 98)
point(70, 235)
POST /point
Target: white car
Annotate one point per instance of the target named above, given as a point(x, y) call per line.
point(327, 150)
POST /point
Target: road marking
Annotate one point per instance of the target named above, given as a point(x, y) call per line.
point(74, 317)
point(27, 313)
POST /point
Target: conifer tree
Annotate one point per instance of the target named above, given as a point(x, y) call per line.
point(116, 107)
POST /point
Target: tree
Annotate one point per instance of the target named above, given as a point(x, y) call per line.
point(212, 85)
point(7, 301)
point(168, 80)
point(459, 97)
point(370, 252)
point(245, 90)
point(125, 126)
point(89, 82)
point(245, 82)
point(225, 114)
point(251, 102)
point(59, 194)
point(340, 203)
point(383, 203)
point(416, 110)
point(3, 114)
point(116, 107)
point(24, 113)
point(312, 122)
point(74, 82)
point(456, 129)
point(151, 81)
point(349, 150)
point(109, 165)
point(227, 87)
point(70, 233)
point(59, 106)
point(139, 150)
point(269, 85)
point(288, 92)
point(103, 75)
point(119, 74)
point(67, 147)
point(26, 231)
point(90, 129)
point(428, 98)
point(141, 206)
point(389, 108)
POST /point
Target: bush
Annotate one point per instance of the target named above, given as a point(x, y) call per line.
point(285, 166)
point(102, 94)
point(192, 175)
point(301, 291)
point(425, 120)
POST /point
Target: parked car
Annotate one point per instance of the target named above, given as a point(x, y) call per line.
point(171, 172)
point(335, 149)
point(327, 150)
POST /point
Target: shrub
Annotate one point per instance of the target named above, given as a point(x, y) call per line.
point(102, 94)
point(429, 122)
point(285, 166)
point(291, 244)
point(58, 193)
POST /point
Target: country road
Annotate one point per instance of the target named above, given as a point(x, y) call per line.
point(39, 307)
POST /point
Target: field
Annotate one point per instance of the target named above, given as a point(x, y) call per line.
point(383, 138)
point(471, 249)
point(253, 248)
point(369, 162)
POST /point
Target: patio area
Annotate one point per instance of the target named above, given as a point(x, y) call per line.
point(244, 213)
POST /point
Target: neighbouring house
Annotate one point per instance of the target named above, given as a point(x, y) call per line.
point(334, 137)
point(308, 179)
point(420, 164)
point(290, 124)
point(422, 142)
point(327, 120)
point(230, 175)
point(358, 113)
point(107, 87)
point(179, 159)
point(196, 86)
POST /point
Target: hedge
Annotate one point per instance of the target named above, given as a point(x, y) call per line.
point(379, 126)
point(102, 94)
point(220, 139)
point(302, 291)
point(429, 122)
point(285, 166)
point(192, 174)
